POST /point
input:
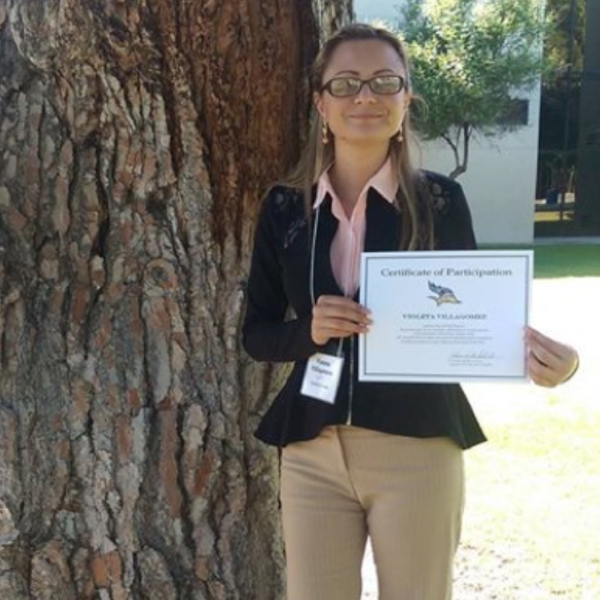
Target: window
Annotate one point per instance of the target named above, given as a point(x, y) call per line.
point(516, 114)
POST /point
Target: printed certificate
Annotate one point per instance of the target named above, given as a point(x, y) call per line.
point(445, 316)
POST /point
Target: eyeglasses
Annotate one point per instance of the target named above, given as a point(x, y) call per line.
point(344, 87)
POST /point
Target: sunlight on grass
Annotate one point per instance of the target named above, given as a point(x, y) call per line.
point(560, 260)
point(533, 506)
point(567, 261)
point(553, 216)
point(532, 516)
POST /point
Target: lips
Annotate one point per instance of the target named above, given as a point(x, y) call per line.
point(366, 116)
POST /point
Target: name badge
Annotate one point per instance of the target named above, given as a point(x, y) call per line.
point(322, 377)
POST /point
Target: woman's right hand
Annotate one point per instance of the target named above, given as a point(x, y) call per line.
point(338, 317)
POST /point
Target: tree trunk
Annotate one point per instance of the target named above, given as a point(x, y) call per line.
point(136, 138)
point(463, 134)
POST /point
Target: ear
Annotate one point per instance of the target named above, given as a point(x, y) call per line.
point(319, 104)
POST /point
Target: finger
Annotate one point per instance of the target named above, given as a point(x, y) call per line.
point(542, 382)
point(344, 325)
point(550, 346)
point(562, 366)
point(545, 357)
point(558, 356)
point(342, 301)
point(540, 373)
point(555, 373)
point(340, 312)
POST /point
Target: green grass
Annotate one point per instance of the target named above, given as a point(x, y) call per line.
point(554, 216)
point(567, 261)
point(561, 260)
point(533, 507)
point(531, 526)
point(532, 520)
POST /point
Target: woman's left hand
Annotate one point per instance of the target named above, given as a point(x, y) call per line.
point(549, 362)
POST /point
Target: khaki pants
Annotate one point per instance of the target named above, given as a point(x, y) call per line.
point(405, 493)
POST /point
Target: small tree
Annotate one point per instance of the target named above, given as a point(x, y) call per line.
point(468, 59)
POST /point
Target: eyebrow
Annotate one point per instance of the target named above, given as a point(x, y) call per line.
point(349, 72)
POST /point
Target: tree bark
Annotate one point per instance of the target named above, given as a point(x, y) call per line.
point(136, 139)
point(464, 132)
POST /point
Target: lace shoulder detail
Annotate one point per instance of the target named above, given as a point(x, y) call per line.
point(288, 209)
point(439, 191)
point(284, 198)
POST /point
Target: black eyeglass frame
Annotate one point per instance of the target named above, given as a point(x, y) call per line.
point(327, 86)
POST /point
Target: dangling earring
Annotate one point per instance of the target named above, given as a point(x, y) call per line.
point(400, 136)
point(325, 134)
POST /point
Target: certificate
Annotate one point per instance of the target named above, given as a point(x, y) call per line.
point(445, 316)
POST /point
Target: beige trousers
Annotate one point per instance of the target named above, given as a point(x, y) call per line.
point(405, 493)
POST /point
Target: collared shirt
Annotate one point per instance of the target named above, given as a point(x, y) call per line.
point(278, 288)
point(349, 239)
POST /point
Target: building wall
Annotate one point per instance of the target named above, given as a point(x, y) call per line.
point(500, 179)
point(369, 10)
point(501, 176)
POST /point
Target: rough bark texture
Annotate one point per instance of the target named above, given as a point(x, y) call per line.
point(136, 137)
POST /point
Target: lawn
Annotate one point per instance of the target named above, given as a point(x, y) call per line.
point(567, 261)
point(532, 521)
point(561, 260)
point(533, 512)
point(532, 518)
point(553, 217)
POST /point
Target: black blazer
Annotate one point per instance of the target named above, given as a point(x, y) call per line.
point(279, 280)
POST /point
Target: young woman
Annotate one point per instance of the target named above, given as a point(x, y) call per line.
point(380, 460)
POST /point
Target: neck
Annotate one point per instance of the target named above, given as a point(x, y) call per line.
point(352, 169)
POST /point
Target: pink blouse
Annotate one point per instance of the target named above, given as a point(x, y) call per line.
point(349, 239)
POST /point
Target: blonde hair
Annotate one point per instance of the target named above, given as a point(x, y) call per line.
point(417, 230)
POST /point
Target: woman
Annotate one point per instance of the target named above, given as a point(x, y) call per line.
point(379, 460)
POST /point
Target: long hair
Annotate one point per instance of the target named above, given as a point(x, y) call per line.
point(417, 231)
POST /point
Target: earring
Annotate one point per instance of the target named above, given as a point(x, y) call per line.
point(400, 136)
point(325, 133)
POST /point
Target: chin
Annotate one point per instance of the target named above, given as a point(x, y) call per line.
point(368, 137)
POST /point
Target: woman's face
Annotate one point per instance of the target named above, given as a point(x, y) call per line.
point(366, 117)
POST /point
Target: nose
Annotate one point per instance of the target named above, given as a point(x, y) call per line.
point(364, 94)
